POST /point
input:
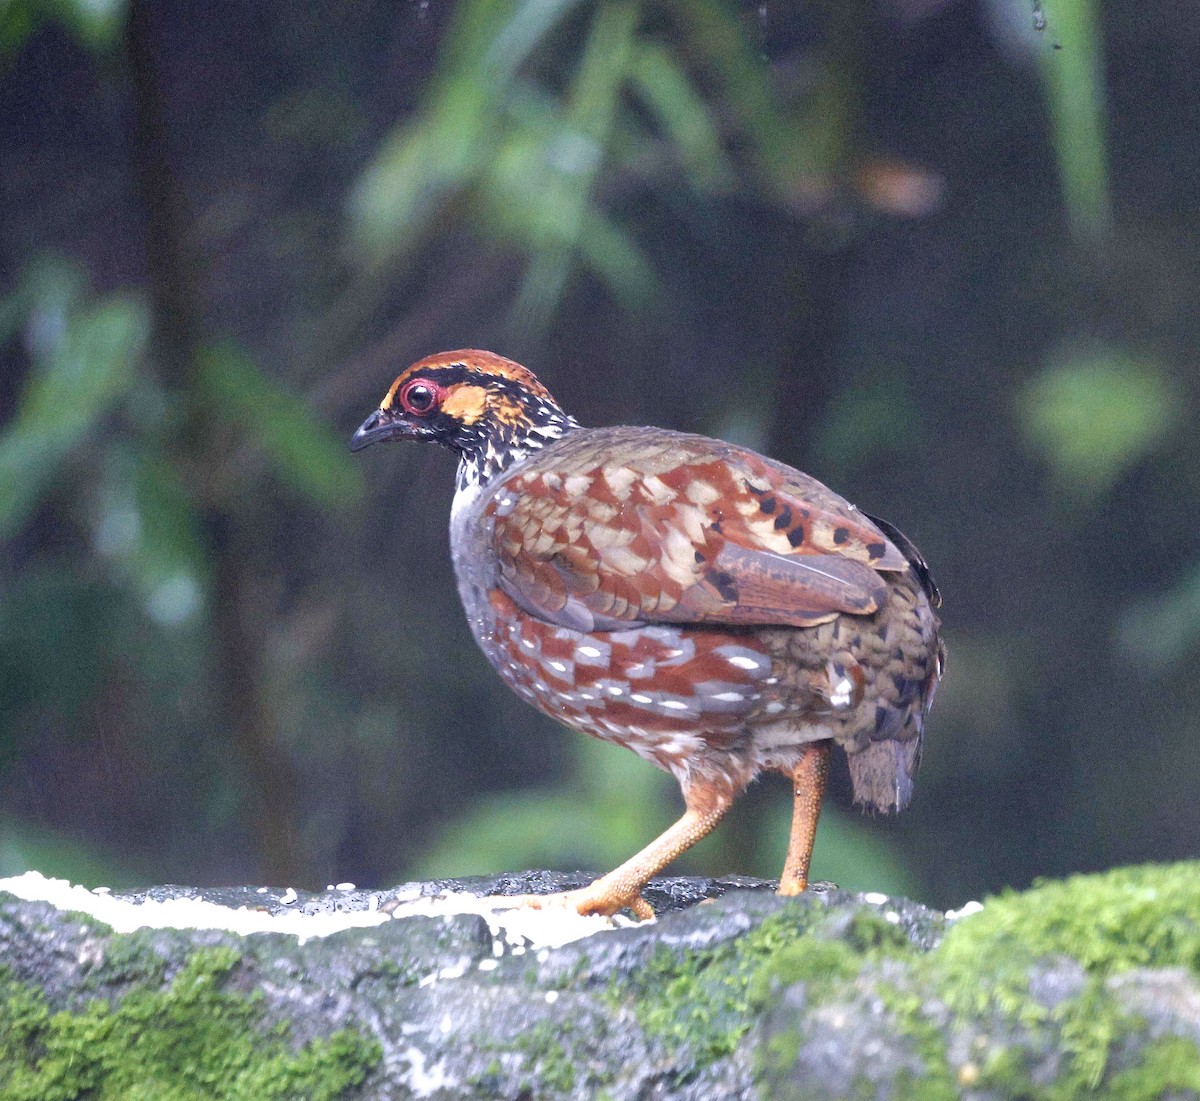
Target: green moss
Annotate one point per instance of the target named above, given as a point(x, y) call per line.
point(389, 971)
point(1147, 916)
point(1133, 917)
point(870, 932)
point(701, 1000)
point(126, 959)
point(188, 1042)
point(548, 1059)
point(1169, 1066)
point(907, 1011)
point(1007, 1066)
point(705, 1001)
point(555, 1060)
point(781, 1052)
point(1089, 1025)
point(1076, 933)
point(819, 964)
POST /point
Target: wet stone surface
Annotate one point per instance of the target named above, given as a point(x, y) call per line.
point(731, 992)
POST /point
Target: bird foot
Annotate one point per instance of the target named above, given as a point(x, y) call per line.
point(598, 898)
point(791, 888)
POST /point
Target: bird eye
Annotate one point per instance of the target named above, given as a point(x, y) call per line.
point(420, 397)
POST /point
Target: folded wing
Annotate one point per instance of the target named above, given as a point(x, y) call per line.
point(628, 527)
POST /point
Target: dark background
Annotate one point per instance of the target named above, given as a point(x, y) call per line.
point(939, 258)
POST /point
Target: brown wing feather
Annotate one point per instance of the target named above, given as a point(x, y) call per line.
point(625, 526)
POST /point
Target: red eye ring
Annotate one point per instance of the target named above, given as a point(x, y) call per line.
point(421, 397)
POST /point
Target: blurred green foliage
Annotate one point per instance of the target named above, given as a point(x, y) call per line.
point(84, 359)
point(1095, 412)
point(534, 105)
point(614, 805)
point(1161, 630)
point(1073, 67)
point(97, 23)
point(139, 484)
point(869, 423)
point(306, 457)
point(84, 380)
point(23, 848)
point(523, 161)
point(94, 427)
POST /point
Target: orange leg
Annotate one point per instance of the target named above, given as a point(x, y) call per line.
point(621, 889)
point(808, 784)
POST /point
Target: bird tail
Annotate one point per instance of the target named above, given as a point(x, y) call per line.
point(882, 773)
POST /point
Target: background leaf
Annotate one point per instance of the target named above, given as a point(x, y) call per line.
point(302, 452)
point(1095, 413)
point(84, 363)
point(1073, 67)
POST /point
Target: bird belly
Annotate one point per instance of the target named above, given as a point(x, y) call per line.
point(675, 696)
point(727, 702)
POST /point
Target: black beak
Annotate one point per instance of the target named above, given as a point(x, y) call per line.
point(379, 426)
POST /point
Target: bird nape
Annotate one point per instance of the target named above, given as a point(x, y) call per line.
point(715, 611)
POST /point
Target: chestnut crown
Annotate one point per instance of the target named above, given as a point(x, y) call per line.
point(489, 409)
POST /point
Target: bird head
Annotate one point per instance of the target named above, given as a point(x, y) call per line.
point(489, 409)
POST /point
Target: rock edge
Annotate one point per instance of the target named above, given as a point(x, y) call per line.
point(1083, 987)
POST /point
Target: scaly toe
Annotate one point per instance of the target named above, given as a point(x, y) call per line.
point(598, 899)
point(584, 901)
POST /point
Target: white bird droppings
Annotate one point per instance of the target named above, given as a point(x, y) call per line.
point(425, 1081)
point(124, 915)
point(514, 928)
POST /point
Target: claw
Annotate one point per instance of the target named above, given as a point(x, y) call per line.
point(584, 901)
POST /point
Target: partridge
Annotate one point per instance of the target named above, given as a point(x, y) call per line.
point(715, 611)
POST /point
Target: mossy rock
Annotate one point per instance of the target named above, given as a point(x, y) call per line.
point(1087, 987)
